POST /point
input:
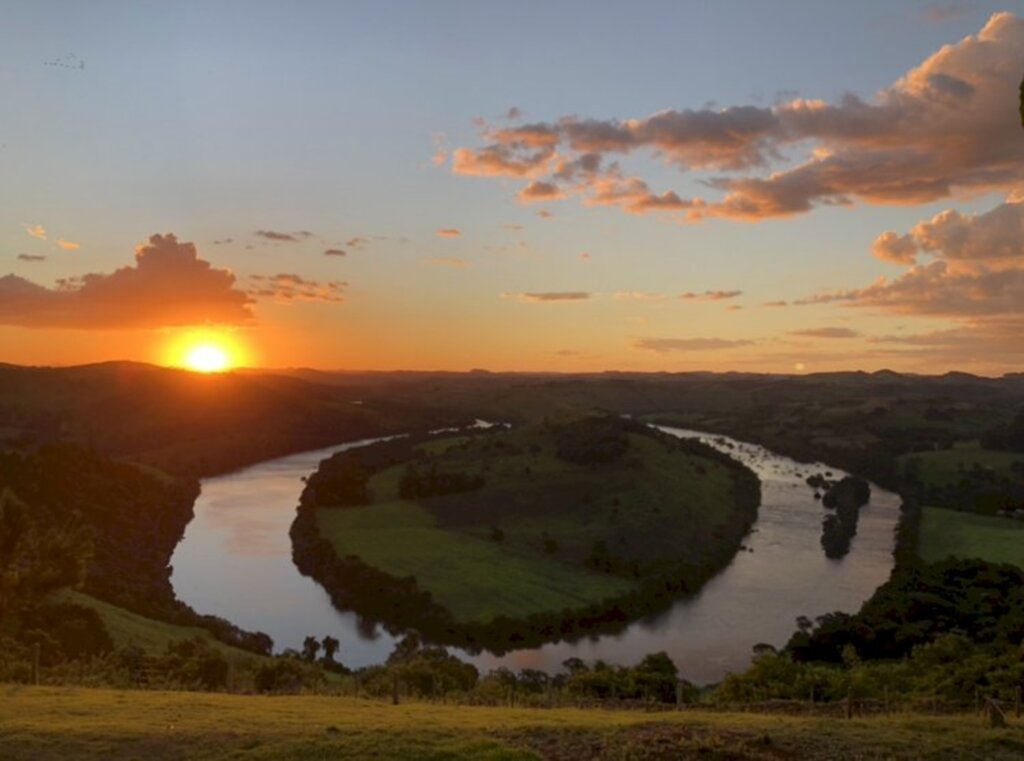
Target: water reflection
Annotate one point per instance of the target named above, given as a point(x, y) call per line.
point(235, 561)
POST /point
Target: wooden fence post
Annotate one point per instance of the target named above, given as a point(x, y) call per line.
point(394, 689)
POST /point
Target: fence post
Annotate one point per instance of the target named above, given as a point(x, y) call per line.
point(394, 689)
point(849, 703)
point(36, 648)
point(679, 694)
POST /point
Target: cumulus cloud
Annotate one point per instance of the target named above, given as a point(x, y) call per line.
point(548, 296)
point(168, 285)
point(31, 258)
point(948, 125)
point(825, 333)
point(665, 345)
point(288, 287)
point(710, 295)
point(449, 232)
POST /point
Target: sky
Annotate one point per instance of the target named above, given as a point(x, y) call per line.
point(570, 186)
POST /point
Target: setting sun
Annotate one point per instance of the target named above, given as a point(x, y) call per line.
point(207, 358)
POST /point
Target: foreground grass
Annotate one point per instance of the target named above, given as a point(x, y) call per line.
point(74, 723)
point(946, 533)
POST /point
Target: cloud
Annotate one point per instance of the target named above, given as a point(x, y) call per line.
point(540, 191)
point(31, 258)
point(335, 252)
point(357, 242)
point(273, 235)
point(665, 345)
point(288, 287)
point(639, 296)
point(994, 237)
point(825, 333)
point(545, 214)
point(447, 261)
point(223, 241)
point(898, 249)
point(976, 267)
point(548, 296)
point(778, 303)
point(947, 126)
point(449, 232)
point(36, 231)
point(710, 295)
point(168, 285)
point(68, 245)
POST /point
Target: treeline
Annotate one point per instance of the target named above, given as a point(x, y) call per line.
point(71, 517)
point(945, 629)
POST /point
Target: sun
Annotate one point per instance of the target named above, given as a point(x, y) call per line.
point(207, 358)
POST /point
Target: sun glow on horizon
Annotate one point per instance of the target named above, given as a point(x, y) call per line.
point(205, 352)
point(207, 358)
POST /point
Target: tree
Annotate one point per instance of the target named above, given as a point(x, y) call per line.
point(310, 647)
point(330, 645)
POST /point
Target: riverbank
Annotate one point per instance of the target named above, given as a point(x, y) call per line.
point(45, 723)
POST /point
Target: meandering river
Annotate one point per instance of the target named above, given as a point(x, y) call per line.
point(234, 561)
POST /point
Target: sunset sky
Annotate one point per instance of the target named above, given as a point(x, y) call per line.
point(569, 186)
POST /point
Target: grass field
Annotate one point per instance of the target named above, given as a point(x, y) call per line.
point(654, 505)
point(39, 724)
point(943, 467)
point(473, 577)
point(966, 535)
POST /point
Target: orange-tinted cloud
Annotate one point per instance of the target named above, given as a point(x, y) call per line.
point(948, 125)
point(664, 345)
point(68, 245)
point(168, 285)
point(710, 295)
point(540, 191)
point(449, 232)
point(825, 333)
point(548, 296)
point(36, 231)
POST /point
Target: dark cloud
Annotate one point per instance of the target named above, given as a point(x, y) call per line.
point(288, 287)
point(31, 258)
point(168, 285)
point(295, 237)
point(335, 252)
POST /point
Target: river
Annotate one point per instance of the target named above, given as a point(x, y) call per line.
point(234, 561)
